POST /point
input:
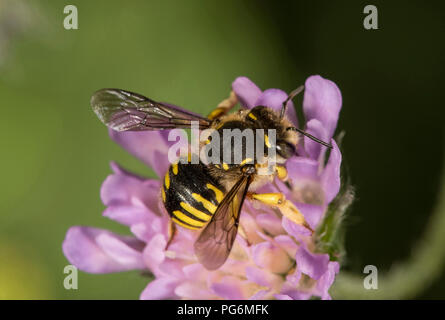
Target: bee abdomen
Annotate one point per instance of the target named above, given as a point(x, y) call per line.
point(190, 195)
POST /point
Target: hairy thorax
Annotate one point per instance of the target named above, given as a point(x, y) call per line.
point(267, 129)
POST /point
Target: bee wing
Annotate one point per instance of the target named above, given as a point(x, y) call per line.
point(128, 111)
point(216, 240)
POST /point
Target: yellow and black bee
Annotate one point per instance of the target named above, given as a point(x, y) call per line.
point(210, 196)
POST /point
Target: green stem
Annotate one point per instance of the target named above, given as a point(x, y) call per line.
point(408, 279)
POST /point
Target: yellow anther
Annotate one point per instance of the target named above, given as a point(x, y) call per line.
point(251, 115)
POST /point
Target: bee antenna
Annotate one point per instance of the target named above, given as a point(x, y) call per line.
point(310, 137)
point(292, 95)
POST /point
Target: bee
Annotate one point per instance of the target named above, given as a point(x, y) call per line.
point(209, 197)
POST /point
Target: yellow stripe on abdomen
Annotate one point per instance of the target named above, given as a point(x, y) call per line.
point(163, 194)
point(195, 212)
point(183, 224)
point(206, 203)
point(167, 180)
point(219, 195)
point(175, 168)
point(184, 218)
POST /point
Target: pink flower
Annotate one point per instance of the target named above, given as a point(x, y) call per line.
point(276, 261)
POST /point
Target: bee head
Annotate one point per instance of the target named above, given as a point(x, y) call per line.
point(286, 132)
point(285, 149)
point(269, 119)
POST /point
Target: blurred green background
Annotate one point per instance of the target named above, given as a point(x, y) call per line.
point(55, 152)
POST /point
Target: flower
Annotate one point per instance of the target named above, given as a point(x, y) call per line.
point(274, 258)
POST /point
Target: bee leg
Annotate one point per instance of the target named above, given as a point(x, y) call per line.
point(224, 106)
point(286, 207)
point(171, 233)
point(281, 173)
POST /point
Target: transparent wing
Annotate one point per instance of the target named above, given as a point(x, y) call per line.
point(216, 240)
point(128, 111)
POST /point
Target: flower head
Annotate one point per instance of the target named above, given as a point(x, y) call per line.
point(273, 258)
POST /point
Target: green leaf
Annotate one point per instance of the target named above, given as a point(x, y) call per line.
point(330, 235)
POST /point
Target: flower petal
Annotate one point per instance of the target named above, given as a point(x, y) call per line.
point(314, 149)
point(274, 98)
point(304, 177)
point(312, 264)
point(246, 91)
point(229, 288)
point(195, 271)
point(295, 230)
point(297, 294)
point(326, 281)
point(271, 257)
point(287, 243)
point(154, 252)
point(330, 178)
point(293, 279)
point(322, 101)
point(282, 297)
point(171, 268)
point(300, 168)
point(126, 215)
point(116, 168)
point(146, 230)
point(159, 289)
point(263, 277)
point(260, 295)
point(100, 251)
point(250, 227)
point(151, 147)
point(271, 223)
point(130, 200)
point(120, 189)
point(312, 213)
point(192, 290)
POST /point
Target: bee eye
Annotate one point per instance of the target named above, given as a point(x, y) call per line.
point(285, 149)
